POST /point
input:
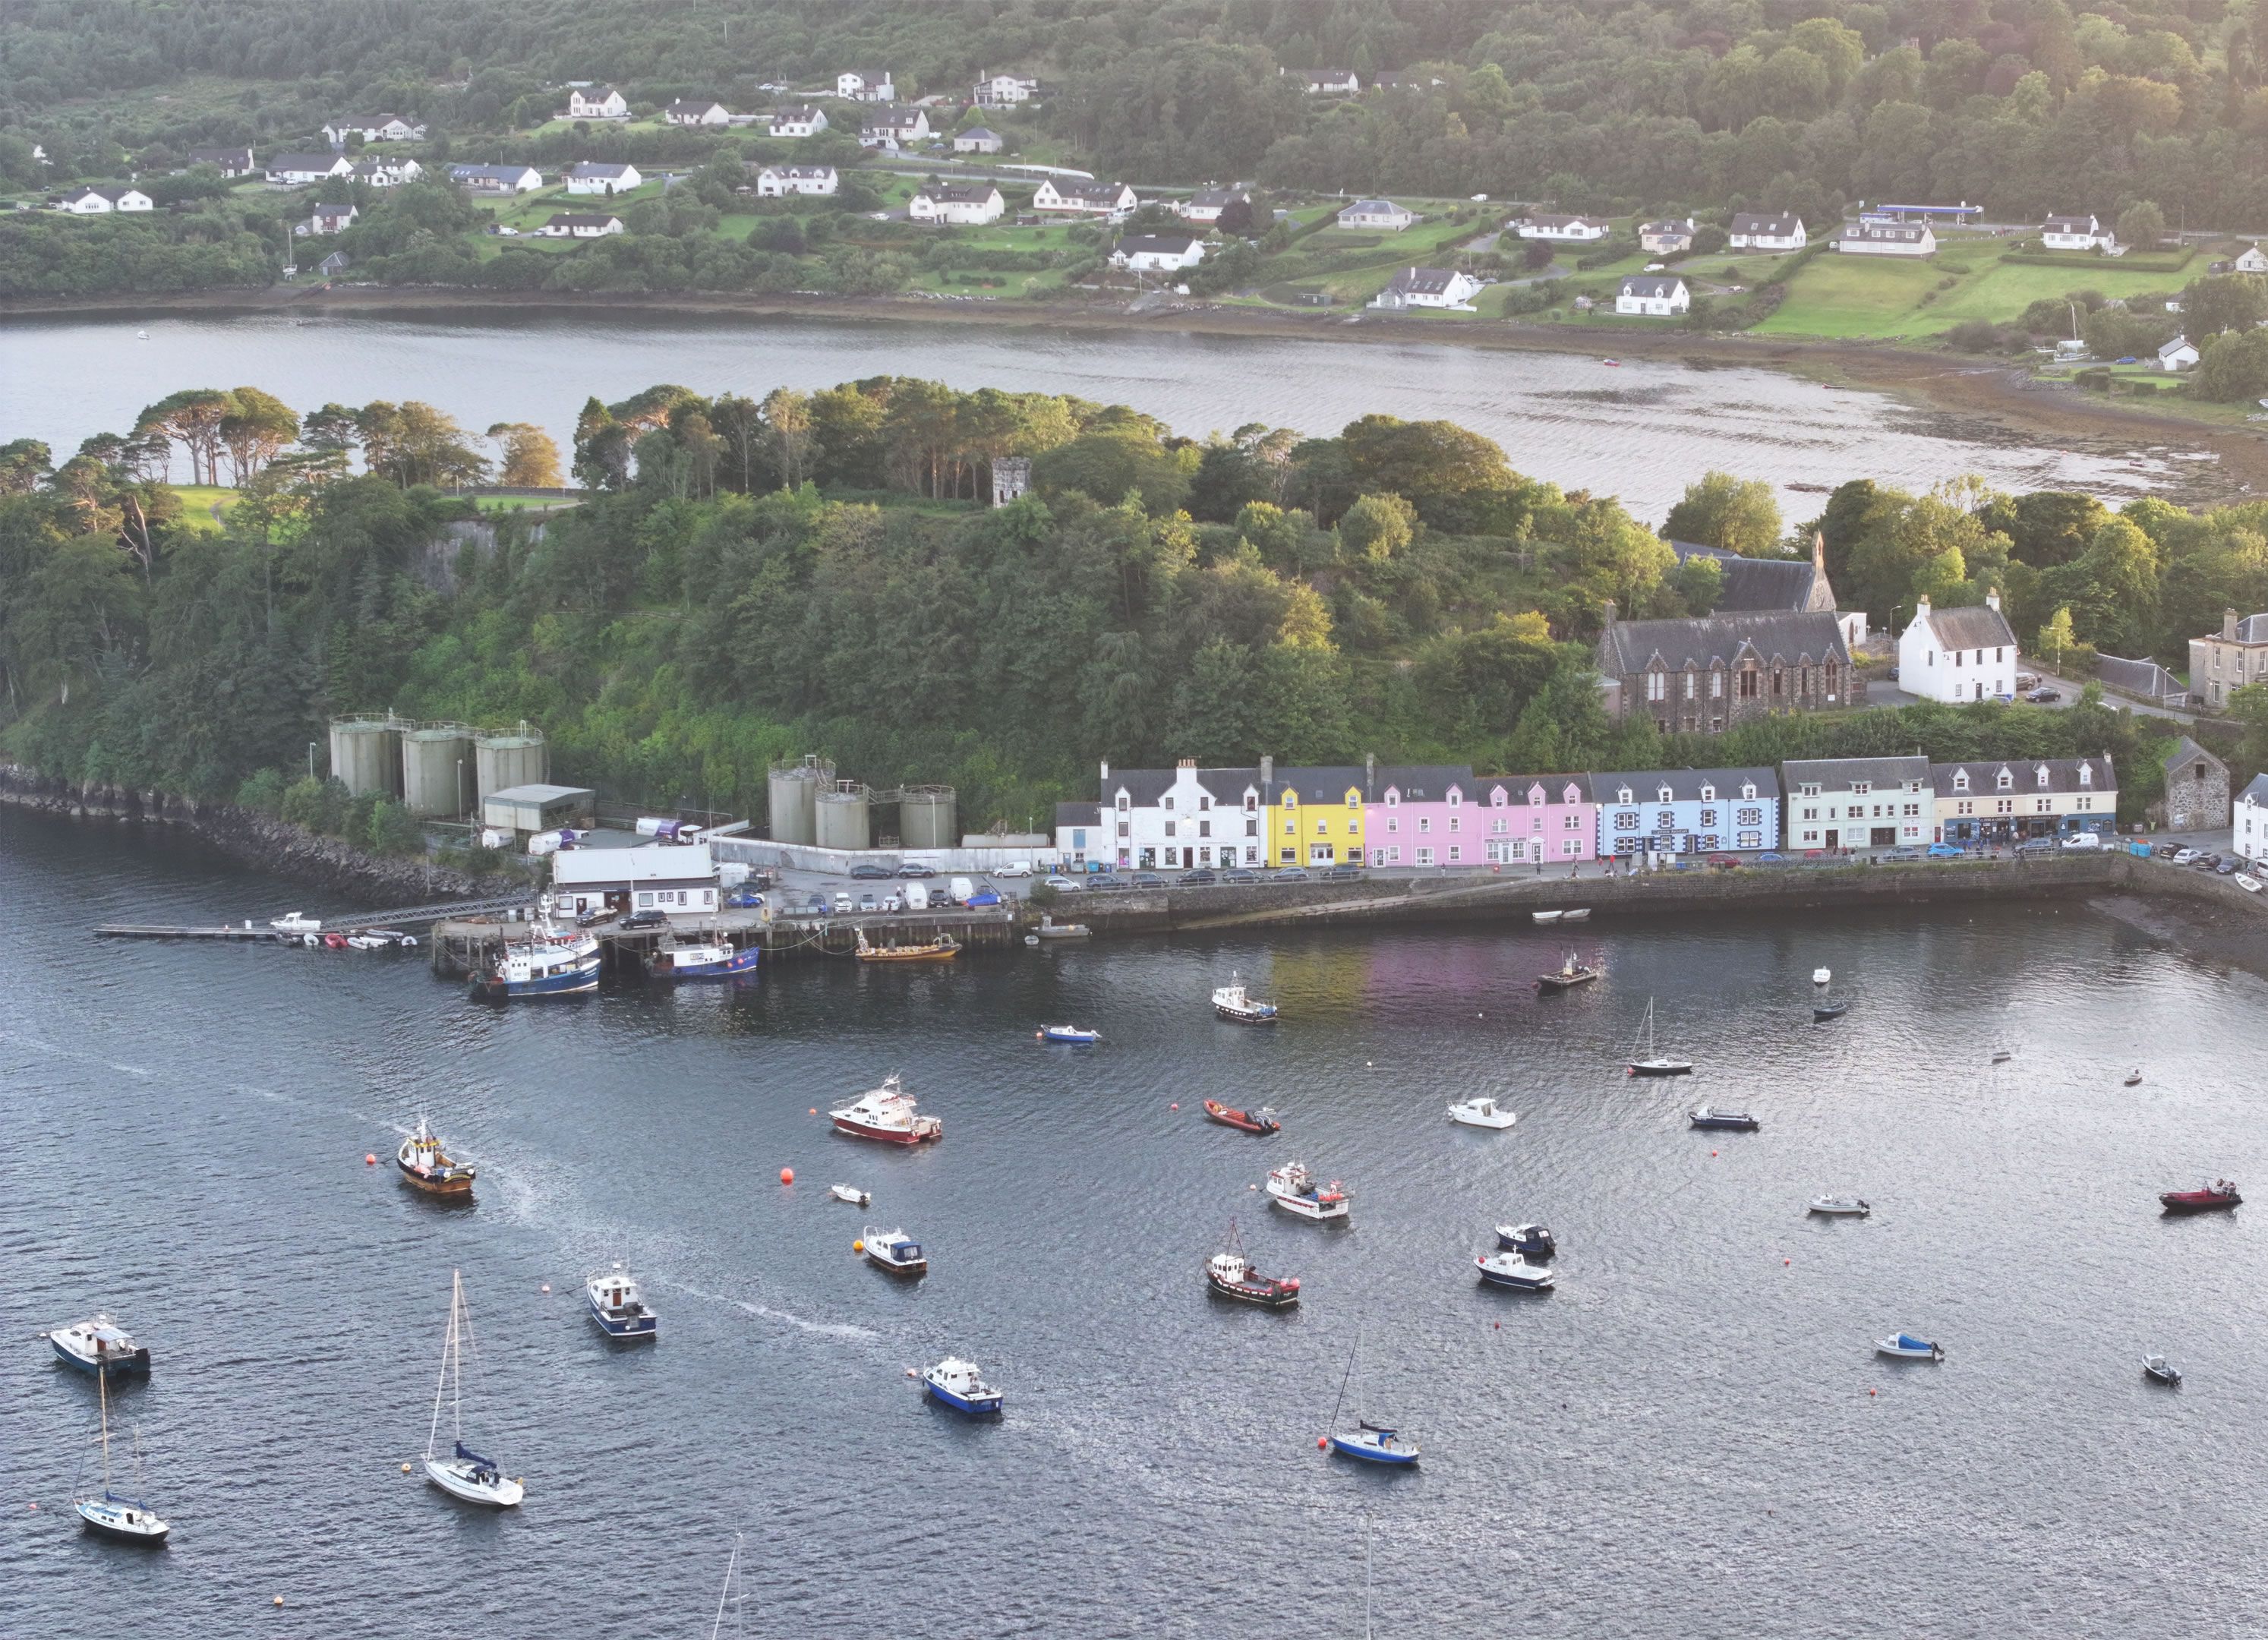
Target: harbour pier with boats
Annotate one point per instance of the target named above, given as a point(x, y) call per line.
point(462, 946)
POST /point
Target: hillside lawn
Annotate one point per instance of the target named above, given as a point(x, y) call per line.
point(1891, 298)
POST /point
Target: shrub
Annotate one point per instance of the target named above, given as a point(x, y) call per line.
point(262, 792)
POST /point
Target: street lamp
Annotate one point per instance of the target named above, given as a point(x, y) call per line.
point(461, 786)
point(311, 759)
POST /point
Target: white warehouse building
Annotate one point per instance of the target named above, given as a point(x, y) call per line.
point(642, 876)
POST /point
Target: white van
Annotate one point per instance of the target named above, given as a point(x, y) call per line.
point(2083, 839)
point(1015, 868)
point(917, 897)
point(963, 888)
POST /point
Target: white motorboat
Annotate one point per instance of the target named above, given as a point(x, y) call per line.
point(99, 1345)
point(1581, 914)
point(618, 1306)
point(1547, 918)
point(463, 1473)
point(2162, 1369)
point(959, 1386)
point(851, 1194)
point(1509, 1269)
point(1841, 1206)
point(1300, 1193)
point(1821, 977)
point(125, 1519)
point(893, 1251)
point(1233, 1002)
point(1482, 1112)
point(1906, 1346)
point(887, 1113)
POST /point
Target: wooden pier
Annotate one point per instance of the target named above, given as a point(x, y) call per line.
point(352, 922)
point(461, 946)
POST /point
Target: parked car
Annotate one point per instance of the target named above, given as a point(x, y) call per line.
point(2184, 856)
point(2229, 866)
point(1148, 879)
point(2037, 845)
point(917, 869)
point(1197, 878)
point(1064, 885)
point(1239, 874)
point(1015, 868)
point(1105, 881)
point(1772, 856)
point(2082, 840)
point(982, 898)
point(745, 899)
point(646, 919)
point(867, 870)
point(595, 916)
point(1340, 873)
point(1902, 854)
point(2205, 862)
point(2166, 850)
point(2041, 696)
point(867, 903)
point(1724, 863)
point(893, 901)
point(845, 905)
point(1946, 852)
point(1289, 874)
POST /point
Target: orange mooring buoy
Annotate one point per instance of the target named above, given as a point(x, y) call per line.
point(787, 1175)
point(368, 1159)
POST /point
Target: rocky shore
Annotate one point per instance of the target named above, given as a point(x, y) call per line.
point(253, 839)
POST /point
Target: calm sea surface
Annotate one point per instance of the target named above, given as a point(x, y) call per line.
point(1642, 432)
point(1690, 1437)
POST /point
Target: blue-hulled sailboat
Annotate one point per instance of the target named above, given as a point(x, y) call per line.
point(1371, 1443)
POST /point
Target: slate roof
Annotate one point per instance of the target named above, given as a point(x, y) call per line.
point(1759, 584)
point(1793, 637)
point(1651, 287)
point(2145, 678)
point(1837, 774)
point(1375, 208)
point(1968, 626)
point(305, 162)
point(977, 134)
point(2251, 629)
point(2186, 750)
point(1145, 786)
point(1781, 225)
point(1540, 219)
point(239, 156)
point(500, 173)
point(1888, 232)
point(1078, 814)
point(2062, 776)
point(1678, 224)
point(1421, 280)
point(2257, 792)
point(2068, 224)
point(2176, 345)
point(1430, 783)
point(958, 193)
point(1220, 197)
point(1156, 244)
point(595, 168)
point(1096, 193)
point(1684, 785)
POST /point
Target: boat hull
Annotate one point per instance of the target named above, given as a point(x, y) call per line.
point(1314, 1211)
point(1563, 982)
point(739, 963)
point(1071, 1039)
point(1243, 1122)
point(457, 1186)
point(1470, 1119)
point(974, 1406)
point(1661, 1068)
point(647, 1325)
point(1268, 1296)
point(460, 1481)
point(1726, 1124)
point(120, 1522)
point(1244, 1016)
point(1394, 1457)
point(1540, 1246)
point(1516, 1284)
point(881, 1136)
point(570, 982)
point(2178, 1203)
point(135, 1360)
point(908, 1267)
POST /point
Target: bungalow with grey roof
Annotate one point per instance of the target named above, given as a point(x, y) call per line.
point(591, 176)
point(1157, 252)
point(570, 226)
point(1561, 230)
point(2075, 233)
point(102, 201)
point(499, 179)
point(978, 140)
point(1776, 230)
point(300, 169)
point(230, 162)
point(1379, 214)
point(1652, 296)
point(696, 111)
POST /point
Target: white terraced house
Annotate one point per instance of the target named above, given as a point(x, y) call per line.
point(1960, 654)
point(1859, 803)
point(2249, 832)
point(100, 201)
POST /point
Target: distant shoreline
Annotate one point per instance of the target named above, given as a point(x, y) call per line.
point(1988, 390)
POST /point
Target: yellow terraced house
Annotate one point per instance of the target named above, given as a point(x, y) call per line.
point(1318, 818)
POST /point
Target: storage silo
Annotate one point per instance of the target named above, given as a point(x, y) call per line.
point(505, 758)
point(928, 818)
point(843, 818)
point(366, 754)
point(435, 782)
point(791, 796)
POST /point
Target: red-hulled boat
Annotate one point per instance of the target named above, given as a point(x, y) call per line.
point(2213, 1197)
point(887, 1113)
point(1233, 1275)
point(1261, 1121)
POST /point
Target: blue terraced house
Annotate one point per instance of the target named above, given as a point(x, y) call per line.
point(1687, 811)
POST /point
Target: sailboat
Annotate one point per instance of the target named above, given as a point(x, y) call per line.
point(1373, 1443)
point(730, 1595)
point(1651, 1063)
point(464, 1473)
point(127, 1520)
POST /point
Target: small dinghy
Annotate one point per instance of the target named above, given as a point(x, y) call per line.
point(2215, 1197)
point(1230, 1275)
point(1546, 918)
point(1841, 1206)
point(1530, 1241)
point(1300, 1193)
point(851, 1194)
point(2001, 1055)
point(2134, 1078)
point(1582, 915)
point(959, 1386)
point(1482, 1112)
point(1071, 1035)
point(100, 1346)
point(2162, 1371)
point(1906, 1346)
point(1261, 1121)
point(1823, 1011)
point(1731, 1121)
point(894, 1251)
point(1509, 1269)
point(617, 1305)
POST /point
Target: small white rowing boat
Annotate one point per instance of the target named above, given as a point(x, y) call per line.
point(1547, 917)
point(1841, 1206)
point(852, 1194)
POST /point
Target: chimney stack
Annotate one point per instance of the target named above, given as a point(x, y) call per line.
point(1267, 771)
point(1993, 599)
point(1106, 772)
point(2228, 625)
point(1819, 551)
point(1369, 773)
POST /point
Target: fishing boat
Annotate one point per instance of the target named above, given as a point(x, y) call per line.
point(2220, 1195)
point(99, 1345)
point(705, 960)
point(617, 1305)
point(1509, 1269)
point(1823, 1011)
point(1233, 1002)
point(1571, 973)
point(959, 1386)
point(1230, 1275)
point(463, 1473)
point(887, 1113)
point(2163, 1371)
point(1300, 1193)
point(1261, 1121)
point(1648, 1062)
point(1481, 1111)
point(944, 948)
point(1049, 929)
point(426, 1166)
point(851, 1194)
point(1731, 1121)
point(1069, 1035)
point(1821, 977)
point(1371, 1443)
point(893, 1251)
point(1906, 1346)
point(539, 967)
point(1530, 1241)
point(108, 1515)
point(1840, 1206)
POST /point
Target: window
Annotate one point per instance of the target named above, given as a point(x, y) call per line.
point(2040, 776)
point(1811, 813)
point(1748, 791)
point(1497, 797)
point(1425, 857)
point(1453, 853)
point(1666, 820)
point(1452, 822)
point(1123, 828)
point(1996, 651)
point(1121, 803)
point(1716, 686)
point(1809, 789)
point(1205, 828)
point(1708, 817)
point(1455, 796)
point(1749, 816)
point(1250, 802)
point(1570, 822)
point(1424, 822)
point(1779, 681)
point(1749, 686)
point(1811, 836)
point(1168, 803)
point(1291, 826)
point(2003, 780)
point(1567, 849)
point(2004, 806)
point(1626, 820)
point(2043, 805)
point(1860, 787)
point(1252, 829)
point(1665, 795)
point(1393, 856)
point(1169, 828)
point(1392, 797)
point(1910, 810)
point(1322, 828)
point(1393, 823)
point(1964, 808)
point(645, 899)
point(1689, 686)
point(1657, 687)
point(2086, 774)
point(1960, 780)
point(1498, 827)
point(1708, 794)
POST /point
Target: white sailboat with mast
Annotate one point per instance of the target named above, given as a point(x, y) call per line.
point(730, 1595)
point(463, 1474)
point(1649, 1062)
point(127, 1520)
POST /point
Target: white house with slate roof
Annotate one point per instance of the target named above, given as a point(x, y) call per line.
point(1184, 816)
point(596, 102)
point(696, 111)
point(2007, 802)
point(1158, 252)
point(1428, 287)
point(1562, 230)
point(978, 139)
point(777, 181)
point(303, 168)
point(962, 204)
point(1005, 91)
point(1381, 214)
point(496, 179)
point(1072, 198)
point(1888, 238)
point(1686, 811)
point(1859, 803)
point(1966, 653)
point(2074, 233)
point(800, 120)
point(1653, 296)
point(100, 201)
point(865, 85)
point(1780, 230)
point(2249, 832)
point(590, 176)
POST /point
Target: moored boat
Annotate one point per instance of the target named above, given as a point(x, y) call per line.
point(426, 1166)
point(1581, 914)
point(959, 1386)
point(1371, 1443)
point(1570, 974)
point(887, 1113)
point(1509, 1269)
point(1821, 977)
point(1049, 929)
point(1841, 1206)
point(1069, 1035)
point(1530, 1241)
point(617, 1305)
point(1546, 918)
point(1731, 1120)
point(1261, 1121)
point(463, 1473)
point(944, 948)
point(1481, 1111)
point(1906, 1346)
point(1822, 1013)
point(539, 968)
point(108, 1515)
point(99, 1345)
point(703, 961)
point(851, 1194)
point(2162, 1369)
point(2134, 1078)
point(1232, 1276)
point(1233, 1002)
point(2220, 1194)
point(1300, 1193)
point(1647, 1061)
point(894, 1251)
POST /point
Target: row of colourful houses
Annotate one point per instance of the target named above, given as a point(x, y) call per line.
point(1445, 816)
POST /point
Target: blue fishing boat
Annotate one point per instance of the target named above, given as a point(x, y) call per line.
point(1530, 1241)
point(100, 1346)
point(617, 1305)
point(1906, 1346)
point(542, 967)
point(1070, 1035)
point(958, 1384)
point(1730, 1121)
point(703, 961)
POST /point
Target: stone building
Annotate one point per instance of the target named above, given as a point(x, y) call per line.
point(1704, 674)
point(1012, 477)
point(2197, 789)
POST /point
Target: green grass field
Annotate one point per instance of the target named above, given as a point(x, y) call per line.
point(1890, 298)
point(198, 502)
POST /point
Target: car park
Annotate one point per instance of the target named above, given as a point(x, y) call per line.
point(845, 905)
point(1015, 868)
point(1064, 885)
point(867, 871)
point(917, 869)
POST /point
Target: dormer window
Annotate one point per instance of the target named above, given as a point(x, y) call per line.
point(1573, 794)
point(1860, 787)
point(1354, 798)
point(1291, 799)
point(1708, 794)
point(1667, 796)
point(2086, 774)
point(1122, 801)
point(2002, 781)
point(1622, 794)
point(1749, 792)
point(1392, 797)
point(1496, 799)
point(1251, 802)
point(1456, 796)
point(1536, 797)
point(2040, 776)
point(1960, 780)
point(1809, 789)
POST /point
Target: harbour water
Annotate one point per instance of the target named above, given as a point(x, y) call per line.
point(1642, 432)
point(1691, 1437)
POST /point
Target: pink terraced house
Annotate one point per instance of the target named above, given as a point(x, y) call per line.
point(1504, 820)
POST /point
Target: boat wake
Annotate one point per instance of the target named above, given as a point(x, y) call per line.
point(763, 1311)
point(38, 1046)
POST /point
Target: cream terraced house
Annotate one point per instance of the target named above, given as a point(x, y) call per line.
point(1859, 803)
point(2234, 657)
point(2024, 798)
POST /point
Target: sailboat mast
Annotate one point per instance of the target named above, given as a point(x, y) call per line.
point(448, 1359)
point(726, 1593)
point(1345, 1381)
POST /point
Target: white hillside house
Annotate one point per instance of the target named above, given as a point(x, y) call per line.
point(1428, 287)
point(102, 201)
point(1562, 230)
point(800, 121)
point(1776, 230)
point(596, 102)
point(1158, 252)
point(2075, 233)
point(1653, 296)
point(957, 204)
point(778, 181)
point(865, 85)
point(591, 177)
point(1068, 196)
point(1005, 91)
point(1960, 654)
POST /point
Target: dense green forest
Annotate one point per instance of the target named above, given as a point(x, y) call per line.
point(752, 579)
point(2023, 105)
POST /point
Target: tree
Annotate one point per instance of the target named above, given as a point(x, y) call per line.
point(602, 448)
point(1739, 516)
point(1378, 528)
point(2223, 302)
point(531, 458)
point(2142, 224)
point(2234, 367)
point(1699, 581)
point(256, 428)
point(1457, 481)
point(2056, 640)
point(1108, 463)
point(787, 414)
point(191, 418)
